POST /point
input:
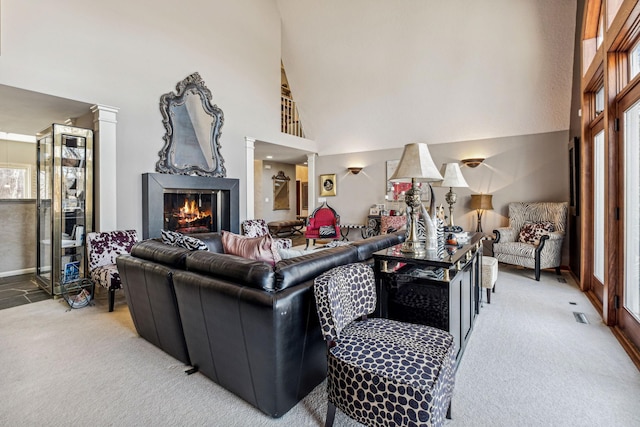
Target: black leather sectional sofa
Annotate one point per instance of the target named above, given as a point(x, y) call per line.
point(248, 326)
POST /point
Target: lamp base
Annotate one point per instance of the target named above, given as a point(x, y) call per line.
point(479, 226)
point(414, 248)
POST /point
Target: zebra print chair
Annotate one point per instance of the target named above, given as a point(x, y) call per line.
point(534, 236)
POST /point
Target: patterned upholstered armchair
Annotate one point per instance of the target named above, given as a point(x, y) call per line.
point(534, 236)
point(380, 371)
point(258, 228)
point(323, 223)
point(103, 249)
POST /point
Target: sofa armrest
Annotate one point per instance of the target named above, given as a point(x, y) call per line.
point(556, 235)
point(505, 234)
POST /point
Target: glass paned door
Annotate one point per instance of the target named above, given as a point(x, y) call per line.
point(631, 179)
point(598, 206)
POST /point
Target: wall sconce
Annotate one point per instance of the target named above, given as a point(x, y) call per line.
point(472, 163)
point(354, 170)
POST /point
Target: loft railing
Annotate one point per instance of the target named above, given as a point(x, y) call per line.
point(290, 119)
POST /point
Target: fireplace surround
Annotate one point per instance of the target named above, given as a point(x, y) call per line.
point(221, 194)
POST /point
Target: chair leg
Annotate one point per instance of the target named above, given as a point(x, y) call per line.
point(449, 410)
point(488, 296)
point(558, 271)
point(112, 298)
point(331, 414)
point(307, 247)
point(537, 272)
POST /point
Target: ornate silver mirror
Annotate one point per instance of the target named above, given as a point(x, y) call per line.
point(192, 124)
point(280, 191)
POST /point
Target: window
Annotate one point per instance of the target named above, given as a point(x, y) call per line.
point(634, 61)
point(600, 100)
point(15, 181)
point(600, 34)
point(598, 206)
point(632, 205)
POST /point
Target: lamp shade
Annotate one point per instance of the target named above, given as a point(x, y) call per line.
point(416, 163)
point(481, 201)
point(452, 176)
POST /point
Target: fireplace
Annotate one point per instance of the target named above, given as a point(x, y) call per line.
point(190, 212)
point(188, 204)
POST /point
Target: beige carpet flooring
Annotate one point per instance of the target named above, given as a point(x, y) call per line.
point(528, 363)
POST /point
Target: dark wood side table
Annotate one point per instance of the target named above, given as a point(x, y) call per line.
point(442, 292)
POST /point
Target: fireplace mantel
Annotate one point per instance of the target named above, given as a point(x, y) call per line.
point(155, 184)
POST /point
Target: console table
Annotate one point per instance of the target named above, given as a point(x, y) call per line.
point(437, 291)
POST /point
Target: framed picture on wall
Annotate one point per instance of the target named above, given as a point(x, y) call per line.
point(328, 185)
point(395, 190)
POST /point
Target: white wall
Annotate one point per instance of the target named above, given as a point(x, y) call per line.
point(127, 54)
point(264, 173)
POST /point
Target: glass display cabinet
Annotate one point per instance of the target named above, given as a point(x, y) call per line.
point(64, 208)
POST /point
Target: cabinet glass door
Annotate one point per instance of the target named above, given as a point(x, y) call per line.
point(65, 204)
point(45, 196)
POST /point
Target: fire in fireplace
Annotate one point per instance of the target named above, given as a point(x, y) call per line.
point(163, 195)
point(189, 212)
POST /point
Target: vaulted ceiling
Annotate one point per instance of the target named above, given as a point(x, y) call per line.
point(375, 74)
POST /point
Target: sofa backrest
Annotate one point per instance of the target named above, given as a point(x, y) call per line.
point(292, 271)
point(243, 271)
point(212, 240)
point(156, 251)
point(554, 212)
point(366, 247)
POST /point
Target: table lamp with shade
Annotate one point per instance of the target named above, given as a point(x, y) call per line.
point(452, 177)
point(416, 165)
point(481, 202)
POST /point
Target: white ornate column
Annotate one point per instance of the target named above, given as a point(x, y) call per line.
point(250, 176)
point(313, 181)
point(104, 167)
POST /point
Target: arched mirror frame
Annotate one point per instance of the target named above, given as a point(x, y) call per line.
point(192, 85)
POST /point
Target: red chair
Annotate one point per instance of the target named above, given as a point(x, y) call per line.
point(323, 223)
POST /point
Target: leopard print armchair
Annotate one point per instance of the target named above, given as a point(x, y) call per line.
point(401, 373)
point(534, 236)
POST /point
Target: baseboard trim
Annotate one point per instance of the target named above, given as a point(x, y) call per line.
point(629, 347)
point(17, 272)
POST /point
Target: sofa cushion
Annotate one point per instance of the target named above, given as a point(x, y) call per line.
point(255, 248)
point(532, 231)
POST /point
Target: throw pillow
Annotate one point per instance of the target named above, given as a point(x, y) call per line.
point(193, 244)
point(174, 238)
point(170, 237)
point(327, 231)
point(531, 232)
point(255, 248)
